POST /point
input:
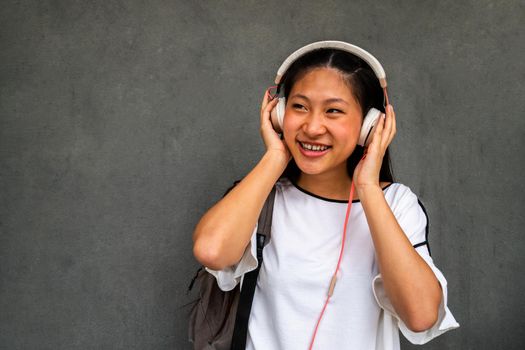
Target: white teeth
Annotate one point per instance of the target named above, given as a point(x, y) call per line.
point(313, 147)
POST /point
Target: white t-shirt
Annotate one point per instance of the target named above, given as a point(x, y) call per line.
point(298, 264)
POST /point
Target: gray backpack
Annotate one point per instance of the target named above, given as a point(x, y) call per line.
point(218, 319)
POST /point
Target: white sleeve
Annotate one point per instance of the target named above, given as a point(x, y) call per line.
point(413, 220)
point(228, 277)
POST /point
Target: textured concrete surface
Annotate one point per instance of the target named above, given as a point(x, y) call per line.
point(122, 121)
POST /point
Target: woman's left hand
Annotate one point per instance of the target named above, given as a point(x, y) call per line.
point(367, 170)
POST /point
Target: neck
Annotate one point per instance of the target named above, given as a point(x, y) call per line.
point(333, 186)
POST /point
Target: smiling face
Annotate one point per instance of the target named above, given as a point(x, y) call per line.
point(322, 123)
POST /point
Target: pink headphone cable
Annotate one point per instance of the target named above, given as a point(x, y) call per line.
point(334, 277)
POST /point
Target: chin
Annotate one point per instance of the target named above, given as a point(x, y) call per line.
point(320, 167)
point(310, 169)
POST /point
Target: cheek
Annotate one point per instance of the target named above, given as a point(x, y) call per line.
point(290, 127)
point(347, 135)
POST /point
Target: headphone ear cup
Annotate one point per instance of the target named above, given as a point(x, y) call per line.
point(277, 115)
point(367, 130)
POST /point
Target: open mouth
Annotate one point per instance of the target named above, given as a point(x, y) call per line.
point(312, 147)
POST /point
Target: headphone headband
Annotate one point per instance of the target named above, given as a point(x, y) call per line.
point(333, 44)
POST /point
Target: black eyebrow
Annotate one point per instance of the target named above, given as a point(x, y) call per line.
point(301, 96)
point(330, 100)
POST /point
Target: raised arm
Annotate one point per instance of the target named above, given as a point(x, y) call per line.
point(222, 234)
point(409, 282)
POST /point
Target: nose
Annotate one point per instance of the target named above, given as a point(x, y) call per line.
point(314, 124)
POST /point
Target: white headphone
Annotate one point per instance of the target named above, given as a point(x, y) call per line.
point(372, 116)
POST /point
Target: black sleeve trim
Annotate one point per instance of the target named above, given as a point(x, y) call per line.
point(420, 244)
point(425, 242)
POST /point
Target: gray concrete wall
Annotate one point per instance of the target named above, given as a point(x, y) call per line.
point(122, 121)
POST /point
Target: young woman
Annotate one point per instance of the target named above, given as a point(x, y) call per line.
point(385, 278)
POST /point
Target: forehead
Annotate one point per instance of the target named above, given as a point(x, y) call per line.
point(323, 81)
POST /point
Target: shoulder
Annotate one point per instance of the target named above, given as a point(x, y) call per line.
point(397, 189)
point(400, 196)
point(409, 212)
point(406, 206)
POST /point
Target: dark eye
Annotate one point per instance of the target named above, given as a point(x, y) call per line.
point(334, 110)
point(297, 106)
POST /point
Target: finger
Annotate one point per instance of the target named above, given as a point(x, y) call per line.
point(265, 113)
point(393, 127)
point(386, 134)
point(394, 123)
point(376, 140)
point(270, 105)
point(265, 99)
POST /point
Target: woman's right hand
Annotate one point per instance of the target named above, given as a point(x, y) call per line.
point(223, 233)
point(270, 137)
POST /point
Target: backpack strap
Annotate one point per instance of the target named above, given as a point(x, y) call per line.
point(264, 225)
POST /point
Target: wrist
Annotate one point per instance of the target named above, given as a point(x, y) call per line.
point(277, 157)
point(273, 162)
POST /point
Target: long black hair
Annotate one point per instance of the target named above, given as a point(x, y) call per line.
point(364, 85)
